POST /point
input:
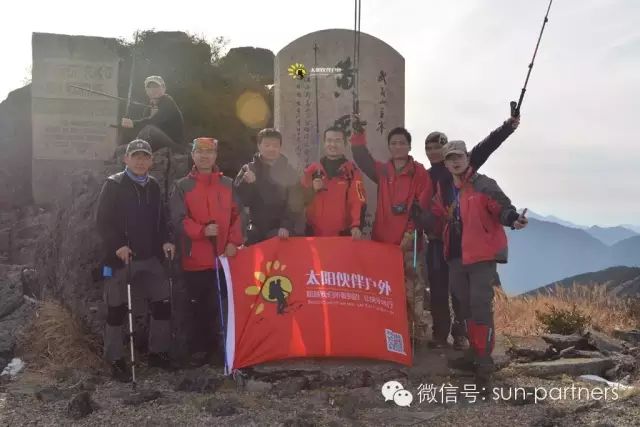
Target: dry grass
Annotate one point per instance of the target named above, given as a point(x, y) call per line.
point(55, 339)
point(517, 315)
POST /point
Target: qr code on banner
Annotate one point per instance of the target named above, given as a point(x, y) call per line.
point(395, 343)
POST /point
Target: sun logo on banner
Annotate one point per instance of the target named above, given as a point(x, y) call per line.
point(297, 71)
point(273, 289)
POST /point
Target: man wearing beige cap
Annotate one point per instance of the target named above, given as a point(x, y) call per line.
point(437, 268)
point(162, 125)
point(470, 214)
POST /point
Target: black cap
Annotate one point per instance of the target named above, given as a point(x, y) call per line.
point(139, 145)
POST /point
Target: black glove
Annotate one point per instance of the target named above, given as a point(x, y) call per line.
point(515, 109)
point(358, 125)
point(416, 214)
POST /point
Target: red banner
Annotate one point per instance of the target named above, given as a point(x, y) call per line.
point(316, 297)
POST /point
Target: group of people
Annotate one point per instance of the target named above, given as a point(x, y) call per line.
point(449, 214)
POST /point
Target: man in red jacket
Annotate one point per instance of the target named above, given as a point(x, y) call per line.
point(436, 264)
point(401, 183)
point(471, 213)
point(334, 192)
point(206, 220)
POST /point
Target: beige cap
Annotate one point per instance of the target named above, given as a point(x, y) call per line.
point(154, 79)
point(454, 147)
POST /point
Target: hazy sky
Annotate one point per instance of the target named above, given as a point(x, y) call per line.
point(576, 153)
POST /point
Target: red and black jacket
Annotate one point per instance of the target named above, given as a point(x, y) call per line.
point(340, 206)
point(196, 201)
point(483, 209)
point(402, 188)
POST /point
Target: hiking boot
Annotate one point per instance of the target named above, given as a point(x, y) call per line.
point(162, 361)
point(464, 363)
point(437, 343)
point(460, 343)
point(120, 371)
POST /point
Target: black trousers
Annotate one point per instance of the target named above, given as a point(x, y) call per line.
point(438, 274)
point(205, 333)
point(158, 139)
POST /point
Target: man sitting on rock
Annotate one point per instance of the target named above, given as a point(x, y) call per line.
point(133, 227)
point(163, 124)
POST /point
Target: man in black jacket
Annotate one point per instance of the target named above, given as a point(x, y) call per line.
point(163, 124)
point(269, 187)
point(133, 227)
point(437, 268)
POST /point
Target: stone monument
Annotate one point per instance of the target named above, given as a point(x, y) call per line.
point(72, 129)
point(314, 86)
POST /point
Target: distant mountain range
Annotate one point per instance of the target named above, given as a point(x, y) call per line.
point(551, 218)
point(611, 235)
point(607, 235)
point(631, 227)
point(547, 251)
point(621, 281)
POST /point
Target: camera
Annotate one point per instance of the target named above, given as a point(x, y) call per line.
point(399, 209)
point(319, 175)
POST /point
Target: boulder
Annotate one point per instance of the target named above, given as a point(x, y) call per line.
point(604, 343)
point(560, 342)
point(624, 362)
point(571, 352)
point(529, 348)
point(632, 336)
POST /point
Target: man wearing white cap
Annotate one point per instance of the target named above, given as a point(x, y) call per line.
point(162, 125)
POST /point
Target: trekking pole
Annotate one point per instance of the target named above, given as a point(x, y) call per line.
point(356, 54)
point(131, 76)
point(214, 243)
point(515, 106)
point(415, 272)
point(130, 309)
point(315, 65)
point(106, 95)
point(171, 325)
point(415, 214)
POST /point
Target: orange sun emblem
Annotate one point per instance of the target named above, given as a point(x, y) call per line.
point(272, 286)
